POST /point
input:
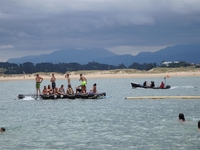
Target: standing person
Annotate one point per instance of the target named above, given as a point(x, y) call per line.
point(68, 79)
point(83, 83)
point(53, 82)
point(38, 80)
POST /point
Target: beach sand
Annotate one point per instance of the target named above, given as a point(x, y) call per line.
point(123, 73)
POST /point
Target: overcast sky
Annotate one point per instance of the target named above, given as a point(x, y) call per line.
point(121, 26)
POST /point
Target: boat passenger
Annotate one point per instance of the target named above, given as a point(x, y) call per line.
point(70, 91)
point(49, 89)
point(53, 82)
point(61, 90)
point(145, 83)
point(162, 85)
point(68, 79)
point(45, 91)
point(56, 91)
point(79, 89)
point(38, 80)
point(2, 129)
point(94, 89)
point(152, 84)
point(83, 83)
point(181, 117)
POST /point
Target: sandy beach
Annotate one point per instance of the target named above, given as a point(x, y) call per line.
point(123, 73)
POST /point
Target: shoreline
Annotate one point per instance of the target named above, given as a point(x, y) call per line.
point(106, 74)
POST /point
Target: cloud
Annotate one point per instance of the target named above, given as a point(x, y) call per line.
point(46, 25)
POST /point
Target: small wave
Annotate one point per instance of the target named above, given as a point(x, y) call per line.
point(195, 119)
point(174, 87)
point(183, 87)
point(187, 87)
point(28, 98)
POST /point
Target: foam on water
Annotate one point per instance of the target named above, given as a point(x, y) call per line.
point(182, 87)
point(28, 98)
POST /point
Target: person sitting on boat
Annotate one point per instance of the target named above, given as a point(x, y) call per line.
point(45, 91)
point(70, 91)
point(145, 83)
point(61, 90)
point(94, 89)
point(80, 89)
point(152, 84)
point(162, 85)
point(49, 89)
point(56, 91)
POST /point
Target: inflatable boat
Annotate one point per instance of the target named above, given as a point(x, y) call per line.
point(136, 85)
point(75, 96)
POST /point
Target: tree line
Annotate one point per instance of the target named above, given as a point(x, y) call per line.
point(29, 67)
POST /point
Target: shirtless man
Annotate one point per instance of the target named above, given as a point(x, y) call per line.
point(53, 82)
point(38, 80)
point(68, 79)
point(83, 83)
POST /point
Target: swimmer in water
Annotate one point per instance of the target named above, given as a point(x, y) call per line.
point(2, 129)
point(181, 117)
point(199, 125)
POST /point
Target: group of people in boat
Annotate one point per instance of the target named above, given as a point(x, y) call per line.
point(53, 89)
point(152, 84)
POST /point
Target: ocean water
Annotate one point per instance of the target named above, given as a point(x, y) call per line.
point(104, 124)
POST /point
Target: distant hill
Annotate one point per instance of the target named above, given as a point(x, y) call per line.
point(189, 53)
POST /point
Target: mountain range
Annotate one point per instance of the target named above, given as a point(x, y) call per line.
point(189, 53)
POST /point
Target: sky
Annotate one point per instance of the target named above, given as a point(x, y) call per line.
point(33, 27)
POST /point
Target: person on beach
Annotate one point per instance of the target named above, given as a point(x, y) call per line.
point(53, 82)
point(70, 91)
point(181, 117)
point(2, 129)
point(38, 80)
point(83, 83)
point(68, 79)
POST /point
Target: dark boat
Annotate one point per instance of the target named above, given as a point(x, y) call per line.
point(75, 96)
point(135, 85)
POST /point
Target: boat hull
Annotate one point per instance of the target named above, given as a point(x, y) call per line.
point(76, 96)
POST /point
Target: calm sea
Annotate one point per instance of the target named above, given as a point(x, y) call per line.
point(106, 124)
